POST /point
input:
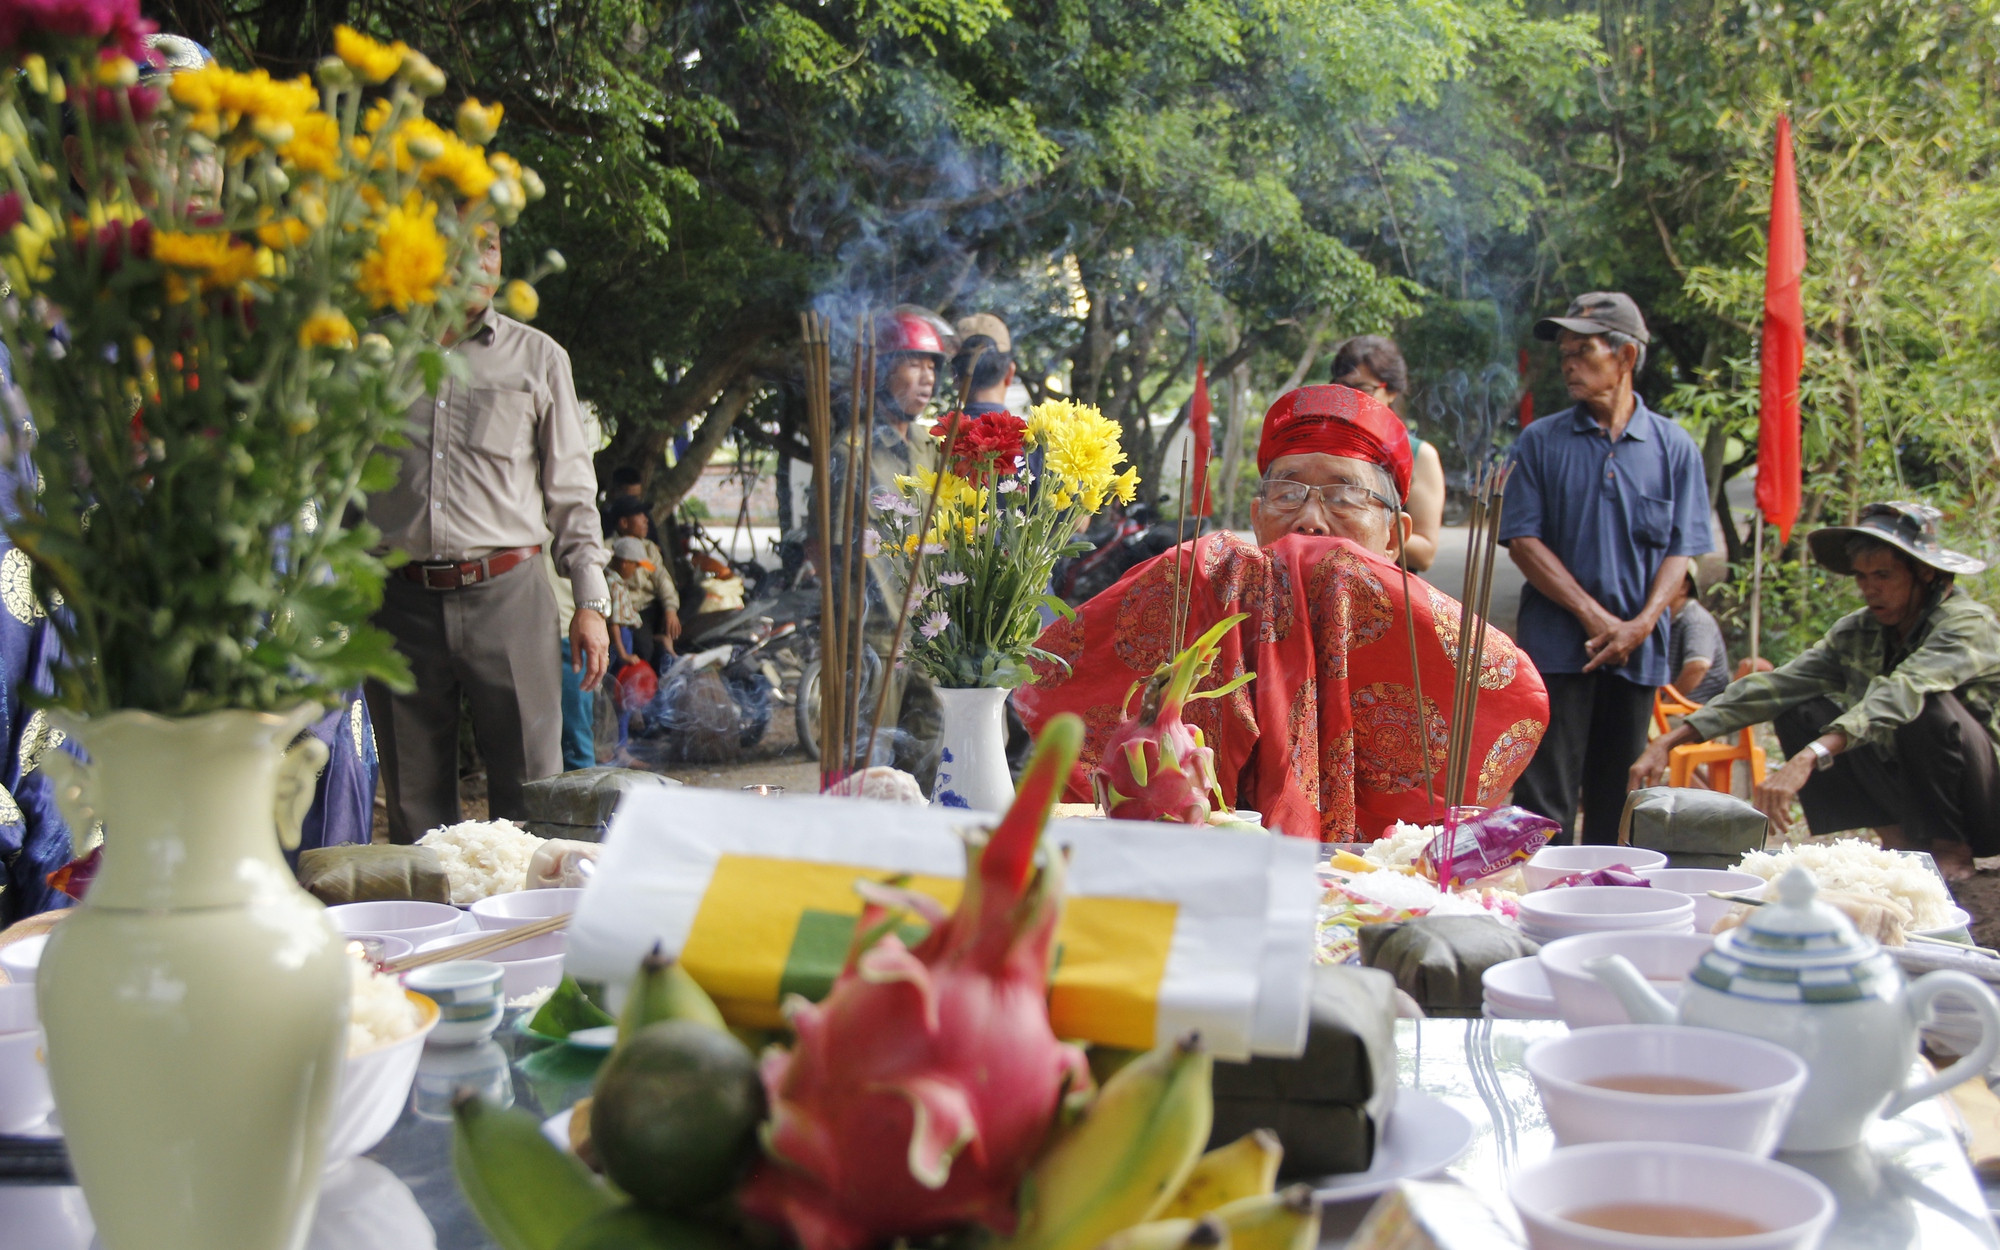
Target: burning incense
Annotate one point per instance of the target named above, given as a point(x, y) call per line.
point(1416, 672)
point(1481, 543)
point(817, 333)
point(1177, 610)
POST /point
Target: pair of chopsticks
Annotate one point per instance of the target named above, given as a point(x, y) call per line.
point(1748, 901)
point(479, 947)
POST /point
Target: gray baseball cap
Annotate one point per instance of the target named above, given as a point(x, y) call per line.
point(1600, 312)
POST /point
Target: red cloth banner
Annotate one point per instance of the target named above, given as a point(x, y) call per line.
point(1779, 468)
point(1199, 411)
point(1527, 397)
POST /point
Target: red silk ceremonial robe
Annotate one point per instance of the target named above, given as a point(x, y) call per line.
point(1324, 741)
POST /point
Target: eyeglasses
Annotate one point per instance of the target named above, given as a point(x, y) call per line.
point(1286, 497)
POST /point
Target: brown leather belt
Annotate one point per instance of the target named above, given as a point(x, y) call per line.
point(468, 572)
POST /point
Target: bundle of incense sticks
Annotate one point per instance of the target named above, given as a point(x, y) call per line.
point(1182, 603)
point(846, 693)
point(1489, 489)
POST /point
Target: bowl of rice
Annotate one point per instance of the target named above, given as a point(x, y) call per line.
point(483, 858)
point(386, 1029)
point(1860, 867)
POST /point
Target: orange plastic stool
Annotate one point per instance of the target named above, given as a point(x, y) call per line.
point(1720, 759)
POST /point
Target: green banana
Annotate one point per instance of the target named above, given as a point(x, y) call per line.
point(1244, 1168)
point(664, 990)
point(1286, 1220)
point(635, 1228)
point(527, 1192)
point(1126, 1158)
point(1202, 1234)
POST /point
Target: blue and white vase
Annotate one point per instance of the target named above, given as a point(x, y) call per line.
point(972, 757)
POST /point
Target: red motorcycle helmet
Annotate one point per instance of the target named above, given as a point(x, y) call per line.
point(908, 332)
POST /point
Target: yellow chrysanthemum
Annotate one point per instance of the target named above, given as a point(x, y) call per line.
point(315, 145)
point(434, 152)
point(232, 96)
point(327, 327)
point(407, 262)
point(370, 60)
point(1080, 453)
point(956, 493)
point(521, 301)
point(283, 233)
point(219, 261)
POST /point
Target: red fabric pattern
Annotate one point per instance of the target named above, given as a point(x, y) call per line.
point(1779, 469)
point(1331, 726)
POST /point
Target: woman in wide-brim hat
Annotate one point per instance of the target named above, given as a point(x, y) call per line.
point(1888, 722)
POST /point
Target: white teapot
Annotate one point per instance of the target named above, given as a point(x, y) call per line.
point(1796, 973)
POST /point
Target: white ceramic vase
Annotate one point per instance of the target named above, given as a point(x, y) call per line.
point(196, 1003)
point(972, 751)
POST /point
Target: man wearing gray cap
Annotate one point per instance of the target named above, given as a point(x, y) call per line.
point(1887, 722)
point(1607, 503)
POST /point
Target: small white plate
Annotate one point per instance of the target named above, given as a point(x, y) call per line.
point(1959, 928)
point(1425, 1136)
point(556, 1127)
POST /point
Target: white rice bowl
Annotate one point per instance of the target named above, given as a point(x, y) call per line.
point(483, 857)
point(1863, 868)
point(1400, 847)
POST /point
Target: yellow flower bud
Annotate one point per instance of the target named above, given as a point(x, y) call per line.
point(478, 123)
point(424, 78)
point(118, 71)
point(425, 147)
point(333, 74)
point(58, 93)
point(376, 349)
point(328, 327)
point(531, 183)
point(37, 71)
point(521, 301)
point(273, 131)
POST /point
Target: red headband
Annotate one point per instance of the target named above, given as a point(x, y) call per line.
point(1338, 421)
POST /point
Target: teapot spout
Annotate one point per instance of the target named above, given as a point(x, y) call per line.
point(1640, 1000)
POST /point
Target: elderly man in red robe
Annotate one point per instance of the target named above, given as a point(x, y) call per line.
point(1325, 742)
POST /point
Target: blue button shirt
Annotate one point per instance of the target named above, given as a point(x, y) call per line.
point(1611, 512)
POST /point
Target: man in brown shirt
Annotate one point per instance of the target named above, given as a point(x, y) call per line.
point(495, 470)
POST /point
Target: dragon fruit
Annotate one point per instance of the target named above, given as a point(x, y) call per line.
point(1155, 767)
point(925, 1084)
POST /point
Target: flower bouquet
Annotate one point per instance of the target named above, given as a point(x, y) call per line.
point(1008, 507)
point(224, 289)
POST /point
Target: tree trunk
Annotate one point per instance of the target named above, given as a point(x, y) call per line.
point(722, 362)
point(1232, 440)
point(1314, 338)
point(668, 488)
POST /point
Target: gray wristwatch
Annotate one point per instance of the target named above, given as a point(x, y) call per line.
point(600, 606)
point(1822, 758)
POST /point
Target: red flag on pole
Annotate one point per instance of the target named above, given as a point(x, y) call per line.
point(1198, 414)
point(1527, 397)
point(1784, 351)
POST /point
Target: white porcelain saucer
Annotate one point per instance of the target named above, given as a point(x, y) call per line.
point(1425, 1136)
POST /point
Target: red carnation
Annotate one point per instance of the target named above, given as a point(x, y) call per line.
point(985, 443)
point(115, 22)
point(10, 211)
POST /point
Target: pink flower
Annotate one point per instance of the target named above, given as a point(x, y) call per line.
point(953, 578)
point(934, 624)
point(10, 211)
point(116, 22)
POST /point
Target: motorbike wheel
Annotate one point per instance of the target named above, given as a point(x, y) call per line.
point(806, 709)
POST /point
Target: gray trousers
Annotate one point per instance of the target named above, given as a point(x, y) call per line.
point(492, 644)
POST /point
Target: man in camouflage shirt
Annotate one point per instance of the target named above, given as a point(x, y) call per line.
point(1888, 721)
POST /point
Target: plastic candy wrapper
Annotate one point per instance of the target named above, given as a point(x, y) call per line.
point(1485, 843)
point(1612, 874)
point(1384, 897)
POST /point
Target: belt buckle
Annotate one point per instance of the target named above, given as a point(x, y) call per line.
point(440, 577)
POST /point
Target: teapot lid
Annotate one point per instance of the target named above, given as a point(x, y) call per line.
point(1797, 949)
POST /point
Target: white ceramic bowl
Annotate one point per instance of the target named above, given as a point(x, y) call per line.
point(1550, 914)
point(510, 911)
point(1520, 988)
point(19, 959)
point(1554, 862)
point(1697, 882)
point(1766, 1080)
point(1585, 1002)
point(25, 1099)
point(1959, 930)
point(529, 965)
point(1795, 1207)
point(468, 995)
point(380, 947)
point(415, 923)
point(374, 1086)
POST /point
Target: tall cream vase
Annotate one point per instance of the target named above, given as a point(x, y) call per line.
point(196, 1003)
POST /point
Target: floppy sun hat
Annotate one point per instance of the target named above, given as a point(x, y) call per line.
point(1911, 528)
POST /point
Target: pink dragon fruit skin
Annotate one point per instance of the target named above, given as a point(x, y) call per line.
point(927, 1082)
point(1155, 767)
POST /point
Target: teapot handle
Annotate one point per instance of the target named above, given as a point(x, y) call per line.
point(1973, 991)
